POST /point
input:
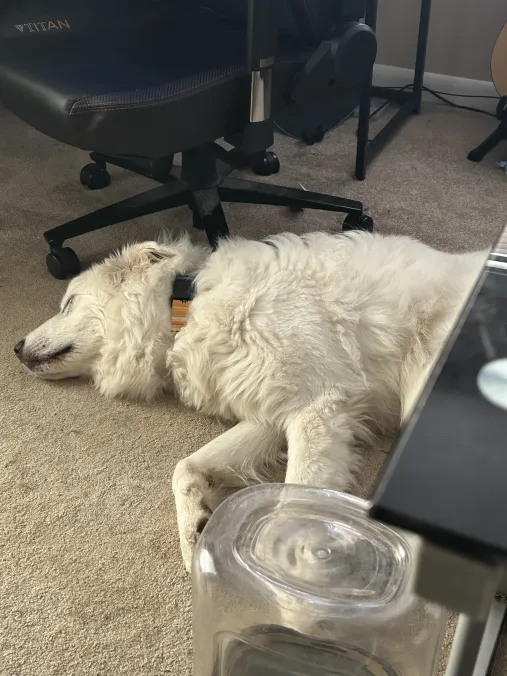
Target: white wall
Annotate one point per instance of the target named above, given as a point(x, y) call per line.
point(462, 35)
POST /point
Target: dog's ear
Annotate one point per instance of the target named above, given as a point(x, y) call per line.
point(146, 254)
point(157, 253)
point(137, 258)
point(134, 260)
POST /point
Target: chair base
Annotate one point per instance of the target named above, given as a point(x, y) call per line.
point(203, 196)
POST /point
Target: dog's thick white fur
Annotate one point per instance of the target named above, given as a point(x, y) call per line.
point(310, 344)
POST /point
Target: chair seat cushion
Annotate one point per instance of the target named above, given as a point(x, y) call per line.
point(148, 90)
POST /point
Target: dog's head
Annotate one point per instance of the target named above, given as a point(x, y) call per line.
point(114, 324)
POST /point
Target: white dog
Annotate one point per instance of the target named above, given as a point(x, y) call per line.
point(311, 344)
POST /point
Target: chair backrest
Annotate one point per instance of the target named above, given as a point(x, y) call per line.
point(25, 18)
point(313, 20)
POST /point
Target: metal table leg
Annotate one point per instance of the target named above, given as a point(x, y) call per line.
point(475, 643)
point(409, 100)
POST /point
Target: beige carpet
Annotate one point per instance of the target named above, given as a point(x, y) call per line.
point(91, 581)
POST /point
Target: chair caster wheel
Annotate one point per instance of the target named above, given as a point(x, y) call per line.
point(312, 137)
point(474, 155)
point(63, 263)
point(362, 222)
point(95, 176)
point(267, 164)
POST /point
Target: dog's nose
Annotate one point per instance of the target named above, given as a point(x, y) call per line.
point(19, 347)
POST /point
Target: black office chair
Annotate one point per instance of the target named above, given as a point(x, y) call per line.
point(137, 81)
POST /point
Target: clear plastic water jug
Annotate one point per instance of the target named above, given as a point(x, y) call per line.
point(299, 581)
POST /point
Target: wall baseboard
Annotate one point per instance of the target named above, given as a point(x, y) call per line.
point(392, 76)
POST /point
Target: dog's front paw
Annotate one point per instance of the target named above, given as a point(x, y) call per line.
point(193, 495)
point(190, 532)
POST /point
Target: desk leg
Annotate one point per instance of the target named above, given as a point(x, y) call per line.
point(474, 645)
point(422, 46)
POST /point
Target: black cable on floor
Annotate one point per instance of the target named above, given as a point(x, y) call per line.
point(441, 97)
point(467, 96)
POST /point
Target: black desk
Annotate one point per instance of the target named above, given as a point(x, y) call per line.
point(447, 479)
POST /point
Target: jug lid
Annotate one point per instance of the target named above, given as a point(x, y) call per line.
point(312, 546)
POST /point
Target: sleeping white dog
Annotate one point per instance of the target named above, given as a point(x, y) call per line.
point(310, 344)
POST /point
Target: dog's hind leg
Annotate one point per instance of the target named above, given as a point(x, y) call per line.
point(238, 457)
point(321, 445)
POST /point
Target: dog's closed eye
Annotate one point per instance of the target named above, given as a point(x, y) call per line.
point(68, 305)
